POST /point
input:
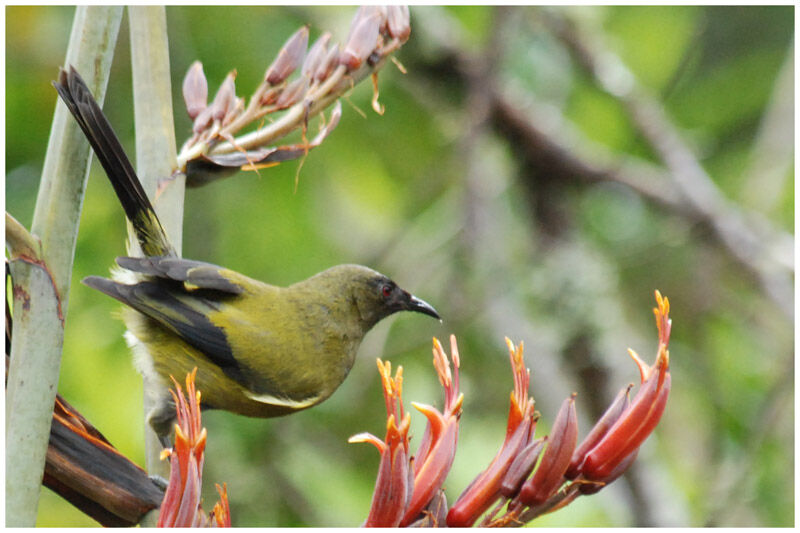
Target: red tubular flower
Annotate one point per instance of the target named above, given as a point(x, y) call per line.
point(613, 450)
point(612, 414)
point(181, 504)
point(549, 475)
point(486, 488)
point(438, 446)
point(394, 483)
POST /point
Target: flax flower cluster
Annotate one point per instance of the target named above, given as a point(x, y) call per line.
point(528, 476)
point(283, 103)
point(182, 506)
point(406, 485)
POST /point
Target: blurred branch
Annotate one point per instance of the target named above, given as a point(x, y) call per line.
point(772, 156)
point(750, 238)
point(41, 285)
point(545, 140)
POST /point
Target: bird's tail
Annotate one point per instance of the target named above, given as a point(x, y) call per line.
point(80, 102)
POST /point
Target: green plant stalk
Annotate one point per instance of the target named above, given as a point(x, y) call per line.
point(155, 152)
point(41, 286)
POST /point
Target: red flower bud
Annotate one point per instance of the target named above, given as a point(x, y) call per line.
point(599, 430)
point(550, 474)
point(521, 468)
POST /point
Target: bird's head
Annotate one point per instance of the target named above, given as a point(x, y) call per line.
point(375, 295)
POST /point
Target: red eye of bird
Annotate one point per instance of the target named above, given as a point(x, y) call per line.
point(386, 291)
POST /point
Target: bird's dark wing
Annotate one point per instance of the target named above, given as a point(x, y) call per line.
point(184, 313)
point(193, 274)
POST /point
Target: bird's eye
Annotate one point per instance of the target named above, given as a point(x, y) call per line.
point(386, 290)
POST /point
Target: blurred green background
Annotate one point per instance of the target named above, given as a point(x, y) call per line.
point(503, 234)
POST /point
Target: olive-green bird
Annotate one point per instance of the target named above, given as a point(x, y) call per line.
point(260, 350)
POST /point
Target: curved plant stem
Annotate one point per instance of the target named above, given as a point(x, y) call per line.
point(41, 285)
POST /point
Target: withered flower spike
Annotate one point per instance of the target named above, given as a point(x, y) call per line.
point(327, 65)
point(293, 93)
point(289, 57)
point(549, 475)
point(363, 39)
point(316, 55)
point(233, 111)
point(225, 99)
point(203, 120)
point(398, 22)
point(195, 90)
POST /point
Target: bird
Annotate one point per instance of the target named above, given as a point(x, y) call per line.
point(260, 350)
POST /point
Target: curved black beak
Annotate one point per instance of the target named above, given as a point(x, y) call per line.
point(421, 306)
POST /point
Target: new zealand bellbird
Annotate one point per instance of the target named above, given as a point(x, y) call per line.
point(260, 350)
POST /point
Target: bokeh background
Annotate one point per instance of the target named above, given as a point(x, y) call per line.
point(538, 172)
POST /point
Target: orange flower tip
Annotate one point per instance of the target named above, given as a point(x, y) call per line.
point(644, 368)
point(437, 346)
point(179, 434)
point(370, 438)
point(510, 345)
point(431, 413)
point(166, 452)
